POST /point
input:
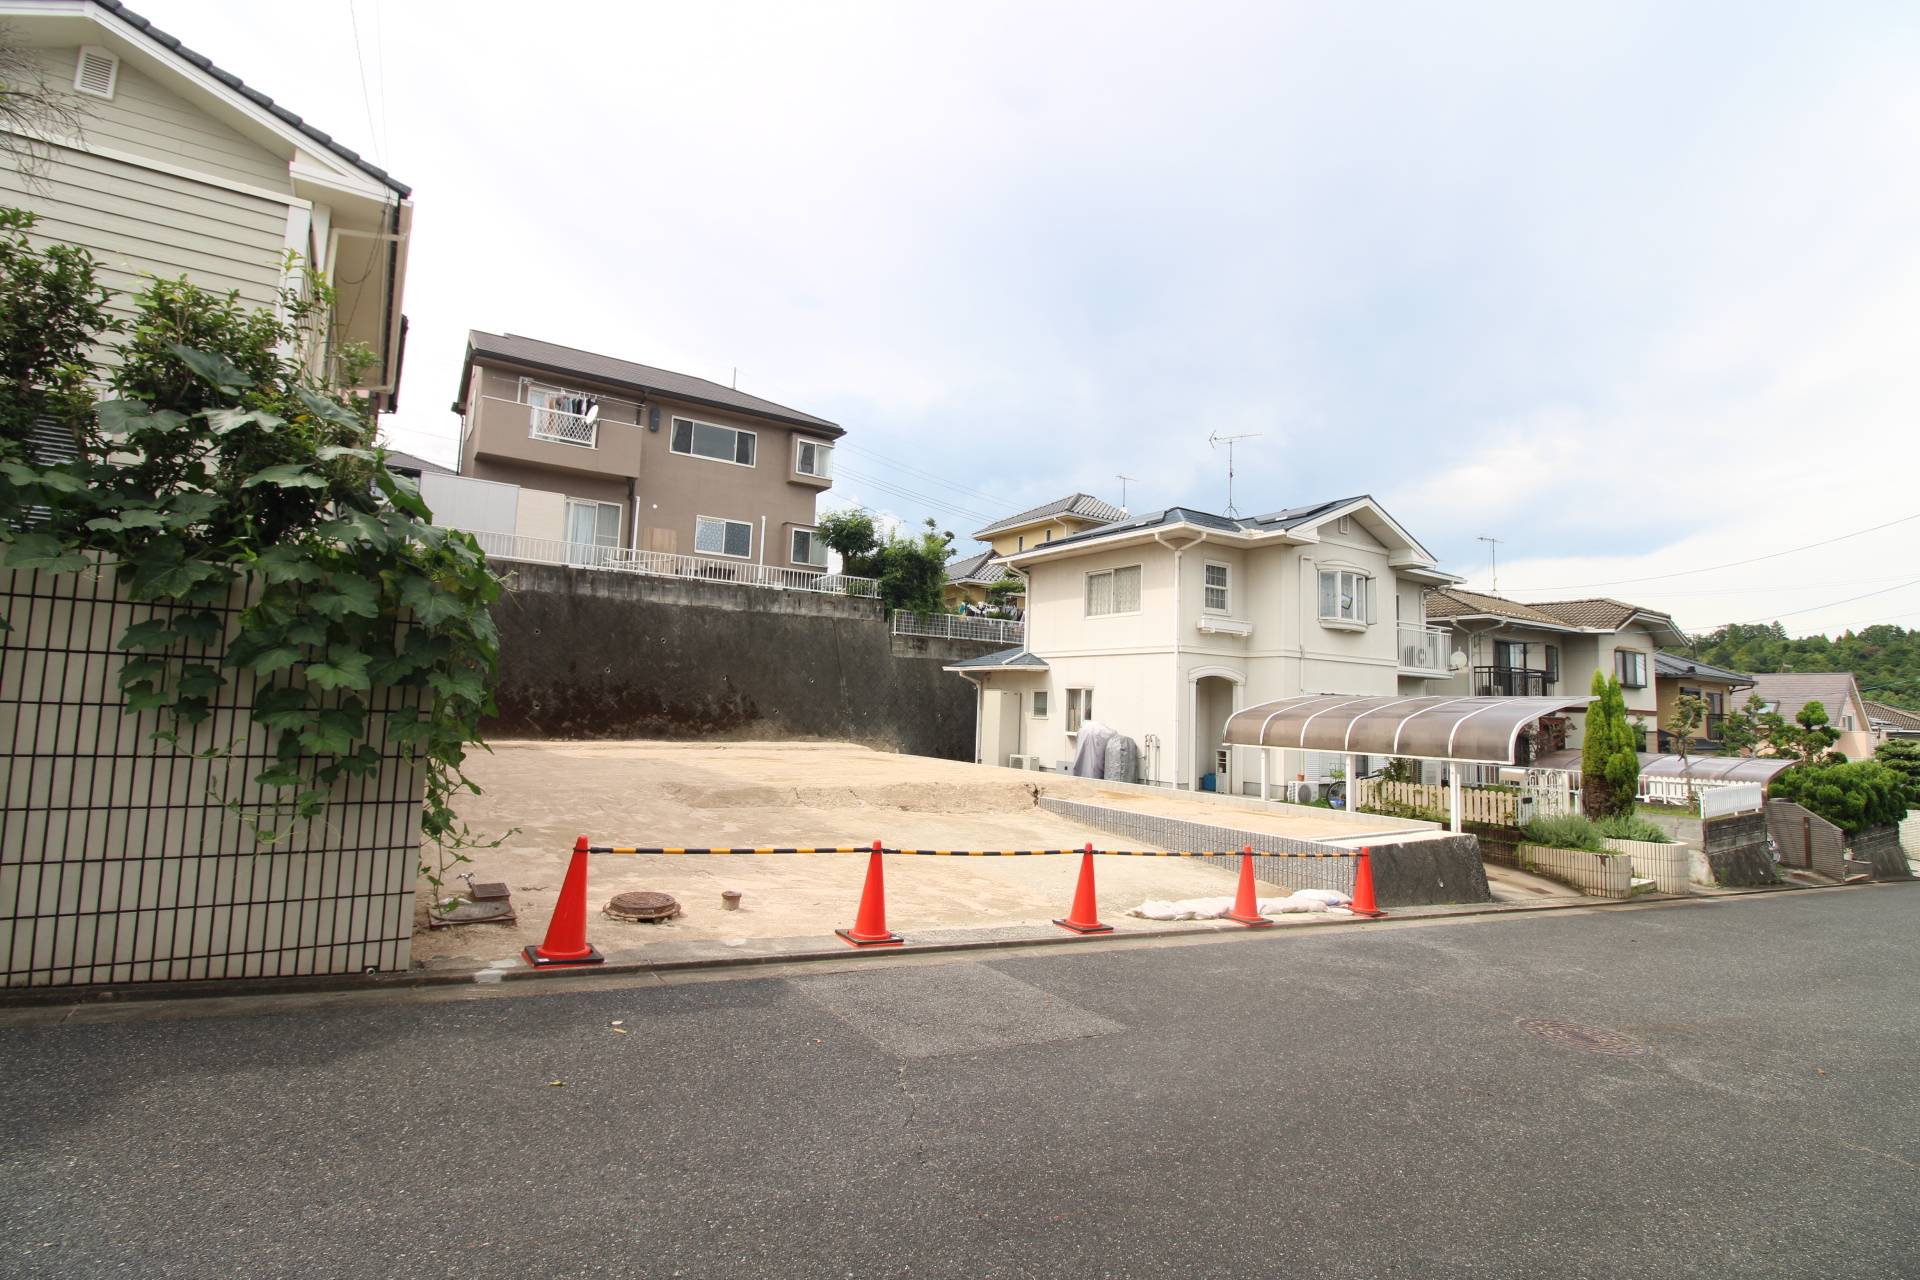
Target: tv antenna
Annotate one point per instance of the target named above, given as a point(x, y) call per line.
point(1493, 565)
point(1124, 480)
point(1216, 440)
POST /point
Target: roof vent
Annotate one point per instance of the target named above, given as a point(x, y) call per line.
point(97, 73)
point(1343, 525)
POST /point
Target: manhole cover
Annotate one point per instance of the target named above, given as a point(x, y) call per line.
point(643, 904)
point(1571, 1035)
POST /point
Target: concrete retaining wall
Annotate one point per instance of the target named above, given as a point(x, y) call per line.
point(587, 653)
point(1412, 873)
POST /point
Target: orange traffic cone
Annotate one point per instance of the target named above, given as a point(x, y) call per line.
point(1362, 904)
point(870, 926)
point(567, 933)
point(1085, 917)
point(1246, 906)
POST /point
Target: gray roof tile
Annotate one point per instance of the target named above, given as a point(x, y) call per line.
point(1084, 505)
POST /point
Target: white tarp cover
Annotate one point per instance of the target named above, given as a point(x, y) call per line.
point(1473, 730)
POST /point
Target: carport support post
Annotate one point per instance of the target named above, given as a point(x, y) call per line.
point(1266, 792)
point(1453, 796)
point(1353, 785)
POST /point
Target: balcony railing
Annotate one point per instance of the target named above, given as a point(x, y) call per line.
point(1509, 682)
point(563, 428)
point(1423, 650)
point(662, 565)
point(950, 626)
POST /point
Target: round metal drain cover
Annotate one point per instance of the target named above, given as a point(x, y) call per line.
point(1571, 1035)
point(643, 904)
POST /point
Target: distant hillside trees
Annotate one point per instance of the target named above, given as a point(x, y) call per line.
point(1884, 659)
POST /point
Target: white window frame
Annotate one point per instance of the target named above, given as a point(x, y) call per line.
point(1225, 587)
point(113, 71)
point(1112, 577)
point(813, 538)
point(1079, 708)
point(822, 457)
point(673, 441)
point(723, 522)
point(1361, 615)
point(1039, 704)
point(590, 552)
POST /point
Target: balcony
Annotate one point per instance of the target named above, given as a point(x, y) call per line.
point(1509, 682)
point(1423, 651)
point(513, 431)
point(563, 428)
point(660, 564)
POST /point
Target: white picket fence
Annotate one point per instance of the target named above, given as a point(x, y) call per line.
point(1672, 789)
point(1495, 807)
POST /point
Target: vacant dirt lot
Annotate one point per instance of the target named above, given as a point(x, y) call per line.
point(783, 794)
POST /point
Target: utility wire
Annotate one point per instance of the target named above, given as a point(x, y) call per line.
point(909, 494)
point(1774, 555)
point(942, 481)
point(373, 130)
point(1829, 605)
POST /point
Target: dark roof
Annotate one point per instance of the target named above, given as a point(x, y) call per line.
point(1019, 659)
point(409, 465)
point(1902, 718)
point(552, 358)
point(252, 95)
point(1276, 521)
point(1084, 505)
point(976, 568)
point(1580, 615)
point(1669, 666)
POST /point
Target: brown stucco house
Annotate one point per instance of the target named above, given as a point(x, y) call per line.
point(601, 457)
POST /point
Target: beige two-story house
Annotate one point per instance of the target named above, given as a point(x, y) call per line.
point(970, 577)
point(1163, 625)
point(180, 167)
point(592, 459)
point(1503, 648)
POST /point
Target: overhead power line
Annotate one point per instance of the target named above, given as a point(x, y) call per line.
point(1829, 605)
point(1772, 555)
point(942, 481)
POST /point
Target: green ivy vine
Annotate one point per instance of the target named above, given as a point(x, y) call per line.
point(185, 450)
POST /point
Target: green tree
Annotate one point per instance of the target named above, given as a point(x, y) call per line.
point(1851, 795)
point(1902, 755)
point(1683, 727)
point(1609, 755)
point(52, 311)
point(911, 570)
point(1742, 732)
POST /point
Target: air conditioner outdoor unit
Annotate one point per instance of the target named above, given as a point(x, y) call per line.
point(1023, 762)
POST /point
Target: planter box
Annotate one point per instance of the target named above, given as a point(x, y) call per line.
point(1602, 875)
point(1669, 866)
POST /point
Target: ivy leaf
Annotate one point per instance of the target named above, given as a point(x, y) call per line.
point(137, 670)
point(464, 684)
point(402, 492)
point(163, 569)
point(197, 680)
point(60, 481)
point(142, 696)
point(288, 475)
point(288, 562)
point(154, 633)
point(192, 709)
point(19, 474)
point(427, 649)
point(119, 418)
point(308, 630)
point(388, 667)
point(333, 732)
point(217, 369)
point(281, 707)
point(358, 526)
point(285, 774)
point(224, 420)
point(326, 407)
point(128, 520)
point(347, 594)
point(364, 762)
point(430, 604)
point(345, 668)
point(405, 725)
point(193, 507)
point(204, 627)
point(43, 551)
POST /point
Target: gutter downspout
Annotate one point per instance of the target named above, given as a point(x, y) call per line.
point(1180, 692)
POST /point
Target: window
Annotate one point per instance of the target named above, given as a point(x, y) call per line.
point(96, 72)
point(1343, 596)
point(593, 528)
point(1716, 704)
point(1631, 666)
point(812, 458)
point(1079, 708)
point(1216, 590)
point(1020, 543)
point(1846, 722)
point(713, 537)
point(1040, 705)
point(808, 549)
point(704, 440)
point(1553, 663)
point(1510, 655)
point(1113, 591)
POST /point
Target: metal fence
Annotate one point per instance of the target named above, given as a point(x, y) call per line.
point(953, 626)
point(506, 546)
point(122, 857)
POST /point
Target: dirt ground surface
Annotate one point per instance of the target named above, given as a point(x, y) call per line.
point(670, 794)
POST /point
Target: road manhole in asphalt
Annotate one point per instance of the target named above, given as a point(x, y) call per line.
point(1571, 1035)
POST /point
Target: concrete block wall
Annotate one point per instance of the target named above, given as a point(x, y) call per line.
point(1669, 866)
point(1601, 875)
point(588, 653)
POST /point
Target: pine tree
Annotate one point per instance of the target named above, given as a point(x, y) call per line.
point(1609, 755)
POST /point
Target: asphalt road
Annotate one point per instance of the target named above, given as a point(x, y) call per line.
point(1337, 1102)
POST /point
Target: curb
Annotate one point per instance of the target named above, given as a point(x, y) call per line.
point(304, 984)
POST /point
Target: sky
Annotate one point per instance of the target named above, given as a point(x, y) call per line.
point(1633, 288)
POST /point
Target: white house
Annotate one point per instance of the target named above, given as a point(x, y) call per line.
point(1163, 625)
